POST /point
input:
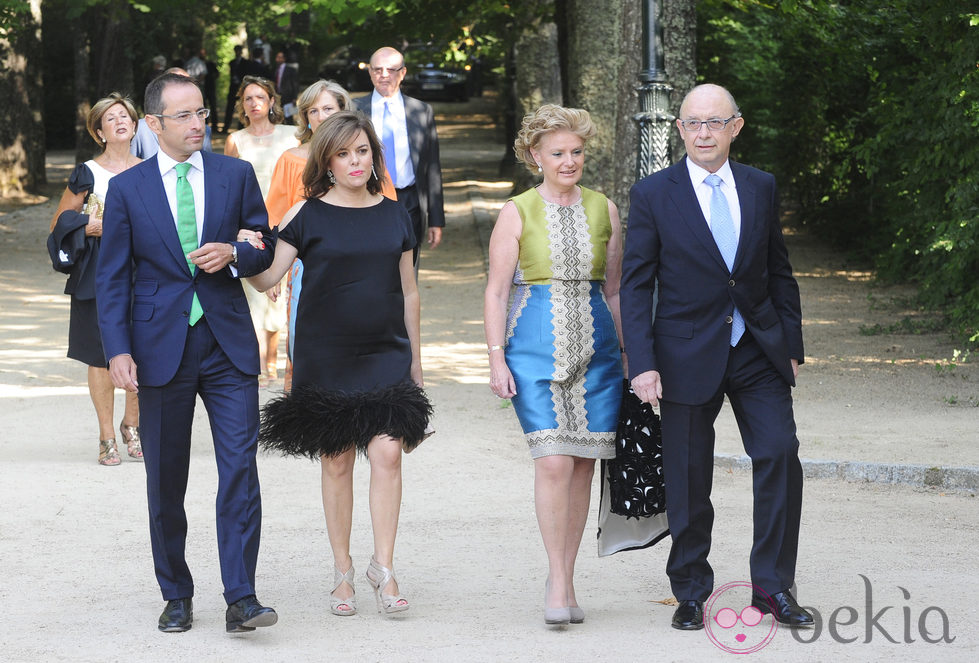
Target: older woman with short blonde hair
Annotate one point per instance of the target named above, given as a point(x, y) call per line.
point(556, 354)
point(546, 120)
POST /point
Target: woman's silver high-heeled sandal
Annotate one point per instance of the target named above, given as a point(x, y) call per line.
point(348, 606)
point(379, 577)
point(130, 435)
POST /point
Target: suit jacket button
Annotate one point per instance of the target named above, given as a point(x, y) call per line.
point(186, 314)
point(729, 319)
point(731, 283)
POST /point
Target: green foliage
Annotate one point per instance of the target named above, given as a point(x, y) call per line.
point(868, 113)
point(11, 12)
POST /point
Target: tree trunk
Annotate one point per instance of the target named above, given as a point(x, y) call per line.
point(538, 81)
point(679, 19)
point(603, 62)
point(83, 142)
point(115, 67)
point(22, 132)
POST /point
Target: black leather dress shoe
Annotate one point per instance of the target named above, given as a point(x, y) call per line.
point(177, 616)
point(245, 614)
point(784, 608)
point(689, 616)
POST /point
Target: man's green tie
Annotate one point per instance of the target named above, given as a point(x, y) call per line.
point(187, 230)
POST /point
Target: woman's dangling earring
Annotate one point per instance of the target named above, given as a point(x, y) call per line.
point(333, 179)
point(309, 125)
point(539, 169)
point(373, 172)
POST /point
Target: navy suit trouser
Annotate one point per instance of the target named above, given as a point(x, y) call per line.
point(762, 405)
point(166, 418)
point(408, 197)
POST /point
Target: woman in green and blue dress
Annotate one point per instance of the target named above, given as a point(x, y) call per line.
point(556, 354)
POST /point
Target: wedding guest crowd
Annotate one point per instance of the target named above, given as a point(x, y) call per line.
point(324, 221)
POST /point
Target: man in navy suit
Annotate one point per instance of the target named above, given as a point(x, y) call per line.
point(728, 321)
point(406, 127)
point(175, 330)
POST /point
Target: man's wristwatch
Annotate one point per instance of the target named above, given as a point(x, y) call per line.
point(234, 254)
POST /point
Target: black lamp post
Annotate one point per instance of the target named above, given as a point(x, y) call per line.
point(654, 116)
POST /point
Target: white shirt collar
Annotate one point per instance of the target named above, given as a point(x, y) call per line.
point(376, 98)
point(166, 162)
point(698, 174)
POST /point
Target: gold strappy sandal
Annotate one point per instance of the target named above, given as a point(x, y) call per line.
point(130, 435)
point(108, 453)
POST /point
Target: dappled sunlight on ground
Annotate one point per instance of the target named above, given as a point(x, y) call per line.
point(848, 274)
point(462, 274)
point(18, 391)
point(462, 363)
point(457, 130)
point(495, 186)
point(860, 361)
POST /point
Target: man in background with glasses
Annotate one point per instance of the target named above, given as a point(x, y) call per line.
point(145, 143)
point(406, 127)
point(705, 233)
point(175, 325)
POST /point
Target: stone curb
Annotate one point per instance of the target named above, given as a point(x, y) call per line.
point(958, 479)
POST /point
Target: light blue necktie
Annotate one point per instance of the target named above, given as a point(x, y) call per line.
point(387, 137)
point(722, 227)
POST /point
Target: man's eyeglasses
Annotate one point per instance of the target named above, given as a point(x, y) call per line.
point(714, 124)
point(184, 118)
point(391, 70)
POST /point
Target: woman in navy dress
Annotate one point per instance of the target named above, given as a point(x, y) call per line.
point(77, 227)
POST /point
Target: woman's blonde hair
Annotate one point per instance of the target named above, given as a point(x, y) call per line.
point(336, 132)
point(276, 114)
point(546, 119)
point(309, 97)
point(94, 120)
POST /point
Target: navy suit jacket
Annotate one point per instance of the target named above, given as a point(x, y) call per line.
point(144, 286)
point(670, 244)
point(424, 147)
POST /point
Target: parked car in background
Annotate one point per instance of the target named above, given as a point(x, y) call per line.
point(431, 76)
point(350, 67)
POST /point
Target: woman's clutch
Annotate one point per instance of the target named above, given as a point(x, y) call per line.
point(93, 206)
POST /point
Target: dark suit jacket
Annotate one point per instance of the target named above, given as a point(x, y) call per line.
point(424, 144)
point(145, 288)
point(289, 89)
point(669, 243)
